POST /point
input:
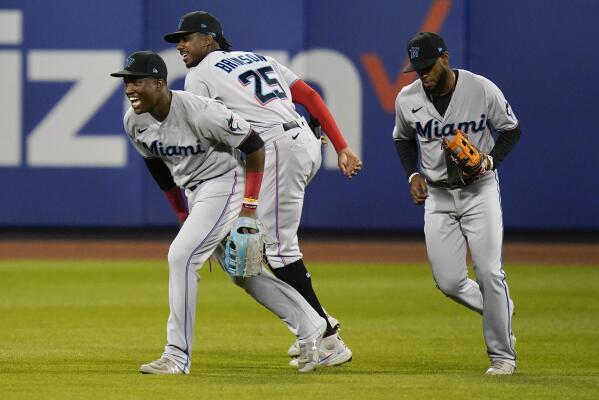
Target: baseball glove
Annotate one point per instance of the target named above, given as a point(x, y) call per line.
point(244, 251)
point(465, 155)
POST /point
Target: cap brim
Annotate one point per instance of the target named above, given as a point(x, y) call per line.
point(123, 73)
point(421, 65)
point(176, 36)
point(409, 68)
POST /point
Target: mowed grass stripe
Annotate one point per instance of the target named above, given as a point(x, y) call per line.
point(79, 330)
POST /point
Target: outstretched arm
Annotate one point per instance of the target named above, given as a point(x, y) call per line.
point(349, 163)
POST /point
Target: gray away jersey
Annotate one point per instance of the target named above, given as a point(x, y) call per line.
point(256, 87)
point(196, 141)
point(477, 107)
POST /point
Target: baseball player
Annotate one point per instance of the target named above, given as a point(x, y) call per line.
point(191, 142)
point(263, 92)
point(459, 211)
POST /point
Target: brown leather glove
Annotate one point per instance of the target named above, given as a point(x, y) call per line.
point(465, 155)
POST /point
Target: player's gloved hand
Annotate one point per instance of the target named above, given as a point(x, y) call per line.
point(349, 163)
point(251, 214)
point(464, 154)
point(418, 189)
point(244, 248)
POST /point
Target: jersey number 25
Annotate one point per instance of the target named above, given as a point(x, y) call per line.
point(259, 76)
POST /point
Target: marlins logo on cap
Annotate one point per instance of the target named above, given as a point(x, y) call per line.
point(202, 22)
point(414, 52)
point(130, 60)
point(423, 50)
point(143, 63)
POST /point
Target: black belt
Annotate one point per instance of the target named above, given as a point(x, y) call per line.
point(290, 125)
point(194, 187)
point(198, 183)
point(293, 124)
point(445, 185)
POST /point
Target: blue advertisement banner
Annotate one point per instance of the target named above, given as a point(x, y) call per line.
point(65, 160)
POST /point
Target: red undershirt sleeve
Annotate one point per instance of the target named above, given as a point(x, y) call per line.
point(309, 98)
point(178, 203)
point(163, 177)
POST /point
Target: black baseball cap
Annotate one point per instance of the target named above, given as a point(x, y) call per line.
point(143, 63)
point(198, 21)
point(423, 50)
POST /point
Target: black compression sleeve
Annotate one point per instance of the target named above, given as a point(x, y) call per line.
point(160, 173)
point(506, 141)
point(251, 143)
point(407, 150)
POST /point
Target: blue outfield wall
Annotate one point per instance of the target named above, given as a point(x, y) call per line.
point(65, 161)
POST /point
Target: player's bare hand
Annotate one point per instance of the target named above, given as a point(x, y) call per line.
point(485, 166)
point(248, 214)
point(349, 163)
point(418, 189)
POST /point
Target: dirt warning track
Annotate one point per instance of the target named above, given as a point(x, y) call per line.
point(330, 251)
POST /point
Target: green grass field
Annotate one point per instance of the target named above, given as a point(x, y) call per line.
point(79, 330)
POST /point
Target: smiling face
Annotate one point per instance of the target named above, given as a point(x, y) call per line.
point(143, 92)
point(194, 47)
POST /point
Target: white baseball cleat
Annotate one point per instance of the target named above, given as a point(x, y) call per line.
point(294, 350)
point(162, 366)
point(332, 352)
point(500, 367)
point(308, 358)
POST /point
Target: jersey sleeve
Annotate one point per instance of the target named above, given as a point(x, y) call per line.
point(401, 130)
point(128, 122)
point(501, 115)
point(222, 125)
point(288, 75)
